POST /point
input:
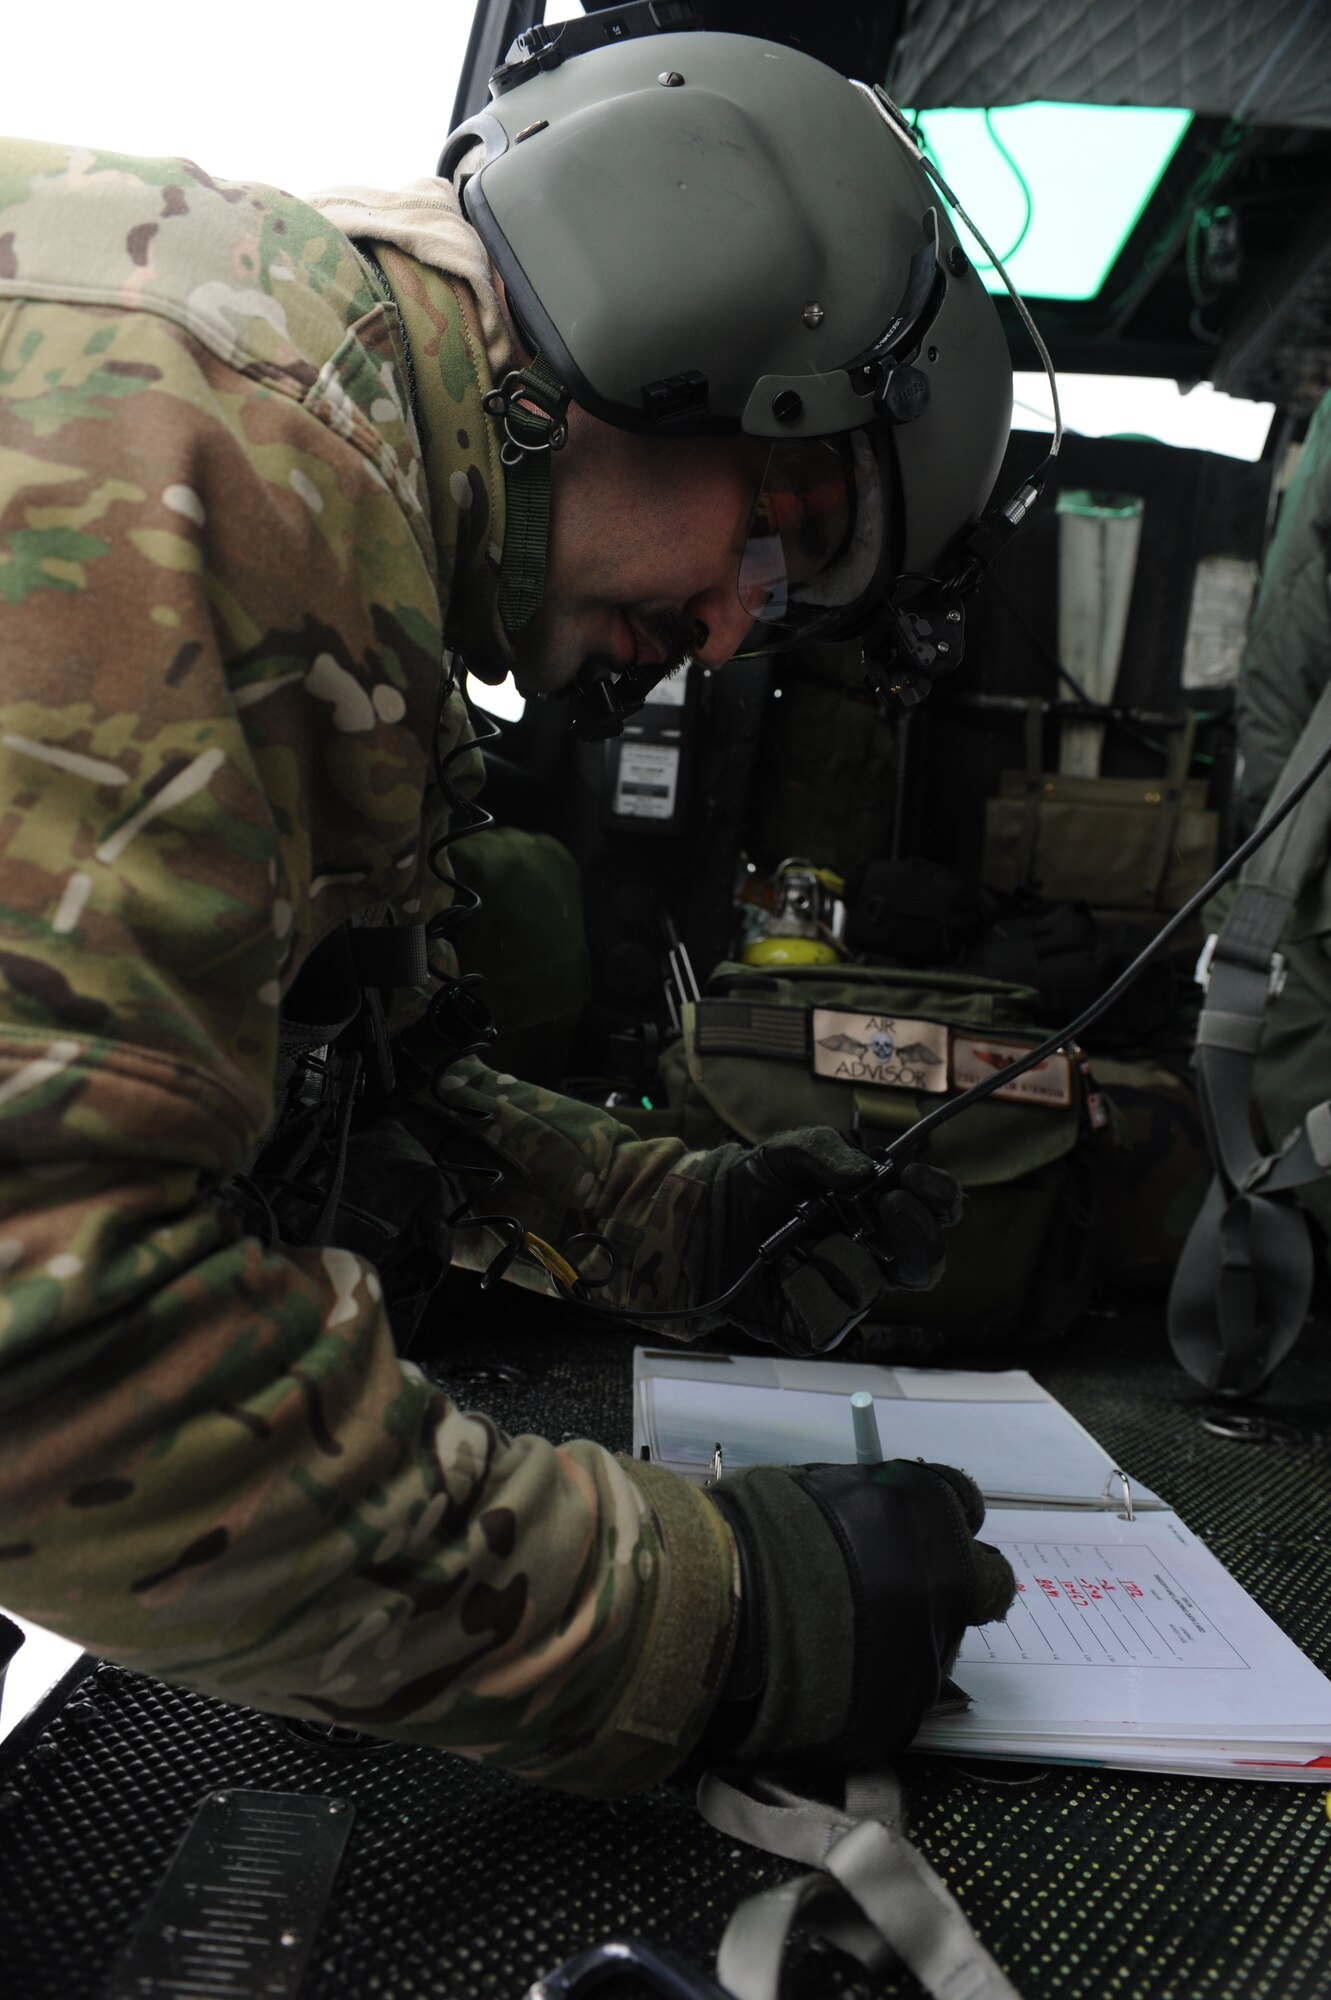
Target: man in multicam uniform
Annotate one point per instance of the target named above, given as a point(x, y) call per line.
point(249, 498)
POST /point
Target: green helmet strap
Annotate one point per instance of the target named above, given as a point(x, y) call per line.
point(530, 407)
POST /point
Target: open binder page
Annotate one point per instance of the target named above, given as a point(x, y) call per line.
point(1017, 1443)
point(1131, 1630)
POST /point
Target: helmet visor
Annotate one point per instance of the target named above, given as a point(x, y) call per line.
point(816, 541)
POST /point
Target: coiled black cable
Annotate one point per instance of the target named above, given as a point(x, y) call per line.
point(456, 1012)
point(458, 1016)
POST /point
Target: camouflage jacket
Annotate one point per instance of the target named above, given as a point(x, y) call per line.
point(231, 556)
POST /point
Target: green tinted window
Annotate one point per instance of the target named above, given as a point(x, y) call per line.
point(1056, 188)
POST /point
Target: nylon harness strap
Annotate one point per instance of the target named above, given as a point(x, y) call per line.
point(1243, 1284)
point(872, 1894)
point(530, 406)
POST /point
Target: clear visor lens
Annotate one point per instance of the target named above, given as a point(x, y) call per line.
point(816, 538)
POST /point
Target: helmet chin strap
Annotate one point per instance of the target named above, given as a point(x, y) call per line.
point(530, 407)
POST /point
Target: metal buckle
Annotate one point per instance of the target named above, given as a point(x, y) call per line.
point(1277, 971)
point(1202, 970)
point(515, 388)
point(312, 1079)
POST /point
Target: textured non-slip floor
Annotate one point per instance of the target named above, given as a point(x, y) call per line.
point(461, 1883)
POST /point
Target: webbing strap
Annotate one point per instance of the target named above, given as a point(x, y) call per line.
point(530, 405)
point(1220, 1030)
point(750, 1956)
point(1252, 928)
point(1241, 1289)
point(522, 564)
point(1229, 1030)
point(875, 1895)
point(1242, 1286)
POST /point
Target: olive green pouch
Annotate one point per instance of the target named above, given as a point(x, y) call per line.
point(869, 1050)
point(1118, 844)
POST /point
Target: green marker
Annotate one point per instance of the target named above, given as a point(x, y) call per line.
point(868, 1444)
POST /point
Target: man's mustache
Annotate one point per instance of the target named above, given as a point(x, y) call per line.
point(673, 633)
point(668, 630)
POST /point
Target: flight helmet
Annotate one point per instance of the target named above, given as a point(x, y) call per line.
point(703, 234)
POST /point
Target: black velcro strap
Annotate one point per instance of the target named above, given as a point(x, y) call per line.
point(390, 954)
point(750, 1028)
point(526, 532)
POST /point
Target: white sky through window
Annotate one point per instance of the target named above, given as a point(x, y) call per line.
point(1145, 406)
point(297, 95)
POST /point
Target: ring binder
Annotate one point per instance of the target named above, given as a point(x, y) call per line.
point(1127, 1644)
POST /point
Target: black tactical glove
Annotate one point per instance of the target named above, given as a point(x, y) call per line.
point(809, 1298)
point(857, 1584)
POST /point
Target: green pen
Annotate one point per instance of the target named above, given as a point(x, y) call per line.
point(868, 1444)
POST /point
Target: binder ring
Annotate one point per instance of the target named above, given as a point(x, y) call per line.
point(1125, 1512)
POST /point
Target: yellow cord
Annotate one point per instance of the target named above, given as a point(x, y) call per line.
point(549, 1259)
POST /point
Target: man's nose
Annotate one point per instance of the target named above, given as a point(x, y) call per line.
point(719, 624)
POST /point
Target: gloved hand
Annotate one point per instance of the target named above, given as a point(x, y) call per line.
point(808, 1300)
point(857, 1584)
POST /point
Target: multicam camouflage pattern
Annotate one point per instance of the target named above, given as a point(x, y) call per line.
point(224, 557)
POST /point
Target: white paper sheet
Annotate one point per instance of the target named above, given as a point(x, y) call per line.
point(1084, 1602)
point(1183, 1656)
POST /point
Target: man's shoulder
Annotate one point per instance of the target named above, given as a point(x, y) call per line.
point(256, 275)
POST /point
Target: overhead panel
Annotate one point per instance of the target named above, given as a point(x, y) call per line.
point(1268, 64)
point(1056, 188)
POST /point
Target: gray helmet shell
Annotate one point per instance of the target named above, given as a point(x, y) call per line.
point(706, 233)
